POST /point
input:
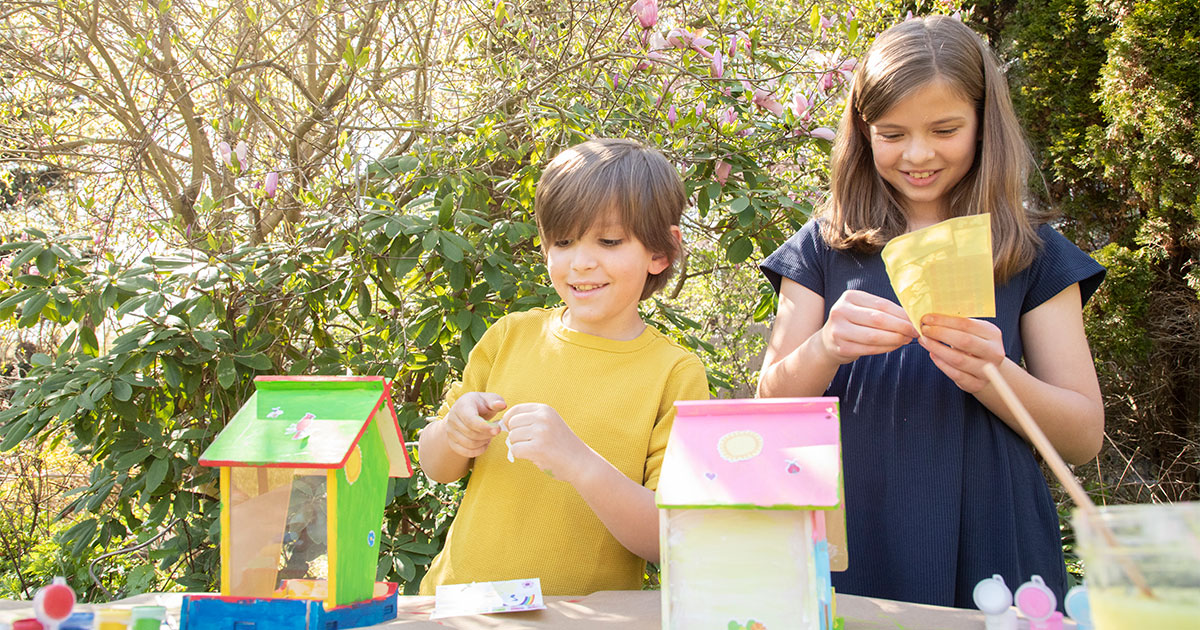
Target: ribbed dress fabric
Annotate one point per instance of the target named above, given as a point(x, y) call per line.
point(940, 493)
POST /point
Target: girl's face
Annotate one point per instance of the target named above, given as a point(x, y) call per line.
point(923, 146)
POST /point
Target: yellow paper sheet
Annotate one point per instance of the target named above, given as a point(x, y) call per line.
point(945, 268)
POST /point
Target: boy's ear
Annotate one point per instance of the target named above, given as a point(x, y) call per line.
point(660, 262)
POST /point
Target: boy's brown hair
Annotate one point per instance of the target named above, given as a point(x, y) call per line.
point(587, 181)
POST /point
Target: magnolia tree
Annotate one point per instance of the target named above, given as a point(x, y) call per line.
point(199, 193)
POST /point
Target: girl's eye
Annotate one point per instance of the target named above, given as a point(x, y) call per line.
point(889, 136)
point(945, 132)
point(610, 242)
point(562, 242)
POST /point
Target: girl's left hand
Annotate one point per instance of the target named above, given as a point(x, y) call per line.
point(961, 346)
point(537, 433)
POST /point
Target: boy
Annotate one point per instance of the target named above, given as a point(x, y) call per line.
point(563, 414)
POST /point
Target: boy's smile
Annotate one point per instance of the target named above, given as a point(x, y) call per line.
point(600, 276)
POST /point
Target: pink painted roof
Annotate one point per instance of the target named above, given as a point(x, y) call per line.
point(781, 453)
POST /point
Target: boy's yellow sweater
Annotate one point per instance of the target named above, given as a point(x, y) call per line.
point(618, 397)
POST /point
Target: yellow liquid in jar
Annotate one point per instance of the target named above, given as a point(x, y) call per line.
point(1172, 609)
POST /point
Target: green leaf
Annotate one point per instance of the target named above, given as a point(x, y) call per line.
point(739, 204)
point(170, 371)
point(26, 255)
point(47, 262)
point(226, 372)
point(140, 579)
point(155, 475)
point(121, 390)
point(404, 566)
point(259, 361)
point(31, 312)
point(739, 250)
point(814, 20)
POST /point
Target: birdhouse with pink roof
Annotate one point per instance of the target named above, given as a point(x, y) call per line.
point(750, 515)
point(304, 468)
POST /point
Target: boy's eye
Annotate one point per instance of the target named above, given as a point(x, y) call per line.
point(562, 242)
point(610, 242)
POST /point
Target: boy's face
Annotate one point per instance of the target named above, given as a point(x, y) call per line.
point(600, 277)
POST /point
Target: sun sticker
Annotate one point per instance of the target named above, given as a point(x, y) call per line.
point(739, 445)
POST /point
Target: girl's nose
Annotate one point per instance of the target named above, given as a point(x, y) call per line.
point(918, 150)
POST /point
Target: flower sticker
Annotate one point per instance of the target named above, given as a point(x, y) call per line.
point(739, 446)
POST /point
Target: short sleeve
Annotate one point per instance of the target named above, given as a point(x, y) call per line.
point(1058, 265)
point(687, 382)
point(479, 366)
point(799, 259)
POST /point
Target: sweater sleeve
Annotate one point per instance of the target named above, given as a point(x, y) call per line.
point(686, 382)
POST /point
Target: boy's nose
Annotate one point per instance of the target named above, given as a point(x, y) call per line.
point(583, 259)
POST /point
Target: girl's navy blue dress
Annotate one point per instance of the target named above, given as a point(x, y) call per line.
point(940, 493)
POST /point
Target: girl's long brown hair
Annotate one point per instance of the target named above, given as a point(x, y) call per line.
point(863, 213)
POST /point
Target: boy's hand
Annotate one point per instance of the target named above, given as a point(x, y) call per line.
point(537, 433)
point(468, 431)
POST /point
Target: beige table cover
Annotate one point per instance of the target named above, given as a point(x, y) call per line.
point(629, 610)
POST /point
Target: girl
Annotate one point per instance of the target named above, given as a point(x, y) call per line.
point(942, 490)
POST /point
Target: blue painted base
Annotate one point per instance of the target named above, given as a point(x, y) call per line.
point(214, 612)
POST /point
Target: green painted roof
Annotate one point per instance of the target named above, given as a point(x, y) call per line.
point(308, 422)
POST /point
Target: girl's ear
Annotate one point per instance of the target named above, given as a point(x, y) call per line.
point(660, 262)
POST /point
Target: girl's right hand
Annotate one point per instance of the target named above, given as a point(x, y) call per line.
point(468, 430)
point(860, 324)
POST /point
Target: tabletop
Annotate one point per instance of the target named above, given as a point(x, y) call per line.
point(629, 610)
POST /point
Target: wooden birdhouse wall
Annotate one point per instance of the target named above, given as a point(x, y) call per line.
point(723, 567)
point(357, 495)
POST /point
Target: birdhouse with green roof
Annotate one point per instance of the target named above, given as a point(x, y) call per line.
point(304, 468)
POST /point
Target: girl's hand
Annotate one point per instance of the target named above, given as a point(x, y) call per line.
point(860, 324)
point(468, 430)
point(537, 433)
point(960, 347)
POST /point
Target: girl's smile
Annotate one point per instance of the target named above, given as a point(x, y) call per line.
point(923, 146)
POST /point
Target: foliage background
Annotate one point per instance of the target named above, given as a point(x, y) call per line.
point(192, 194)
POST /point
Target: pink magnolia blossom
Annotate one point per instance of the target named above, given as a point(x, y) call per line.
point(763, 99)
point(847, 68)
point(800, 105)
point(721, 171)
point(824, 133)
point(676, 37)
point(733, 39)
point(242, 151)
point(646, 12)
point(718, 65)
point(828, 81)
point(700, 108)
point(908, 17)
point(271, 184)
point(957, 15)
point(616, 80)
point(729, 117)
point(827, 23)
point(672, 117)
point(226, 153)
